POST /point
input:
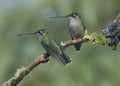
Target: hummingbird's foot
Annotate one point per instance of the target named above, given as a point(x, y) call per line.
point(44, 58)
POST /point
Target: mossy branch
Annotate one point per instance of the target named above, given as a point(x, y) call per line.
point(23, 71)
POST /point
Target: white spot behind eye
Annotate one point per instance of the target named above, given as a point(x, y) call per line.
point(41, 32)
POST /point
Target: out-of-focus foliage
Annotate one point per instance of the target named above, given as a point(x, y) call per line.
point(94, 65)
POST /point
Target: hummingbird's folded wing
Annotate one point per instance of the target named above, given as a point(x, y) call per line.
point(57, 54)
point(75, 36)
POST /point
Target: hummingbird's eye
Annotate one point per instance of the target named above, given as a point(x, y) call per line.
point(73, 15)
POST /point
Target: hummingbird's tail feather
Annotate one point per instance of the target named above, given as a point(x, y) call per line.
point(65, 59)
point(61, 57)
point(78, 46)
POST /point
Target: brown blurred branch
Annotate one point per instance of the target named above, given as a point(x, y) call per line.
point(15, 80)
point(71, 42)
point(41, 59)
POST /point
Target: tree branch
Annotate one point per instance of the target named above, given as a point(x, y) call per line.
point(72, 42)
point(41, 59)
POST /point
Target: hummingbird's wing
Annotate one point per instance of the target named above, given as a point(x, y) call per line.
point(60, 57)
point(54, 49)
point(75, 36)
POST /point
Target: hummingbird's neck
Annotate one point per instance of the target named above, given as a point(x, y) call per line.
point(75, 21)
point(41, 36)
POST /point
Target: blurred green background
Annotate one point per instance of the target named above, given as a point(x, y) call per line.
point(94, 65)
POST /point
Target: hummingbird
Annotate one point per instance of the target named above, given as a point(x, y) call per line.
point(77, 28)
point(51, 45)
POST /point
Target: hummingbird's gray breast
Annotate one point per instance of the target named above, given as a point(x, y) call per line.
point(76, 30)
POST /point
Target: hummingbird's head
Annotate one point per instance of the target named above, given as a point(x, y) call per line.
point(73, 15)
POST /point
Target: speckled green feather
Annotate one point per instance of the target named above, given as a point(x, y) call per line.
point(49, 39)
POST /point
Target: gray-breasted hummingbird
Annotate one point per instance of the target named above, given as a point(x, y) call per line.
point(77, 29)
point(51, 45)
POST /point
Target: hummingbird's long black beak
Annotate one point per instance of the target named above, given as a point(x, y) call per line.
point(59, 16)
point(26, 33)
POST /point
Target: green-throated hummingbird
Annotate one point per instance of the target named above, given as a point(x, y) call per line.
point(51, 45)
point(77, 29)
